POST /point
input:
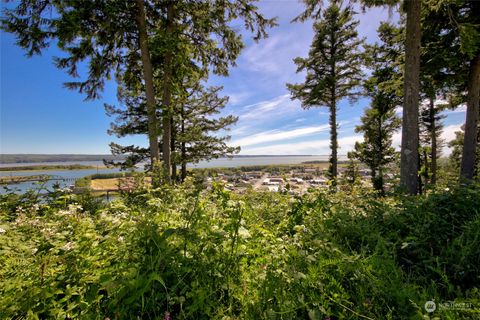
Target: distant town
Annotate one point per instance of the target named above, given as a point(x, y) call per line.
point(296, 179)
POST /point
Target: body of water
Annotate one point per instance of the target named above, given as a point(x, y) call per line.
point(76, 174)
point(71, 175)
point(256, 161)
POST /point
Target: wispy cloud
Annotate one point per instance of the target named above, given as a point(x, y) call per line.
point(318, 147)
point(237, 98)
point(460, 109)
point(272, 109)
point(276, 135)
point(448, 134)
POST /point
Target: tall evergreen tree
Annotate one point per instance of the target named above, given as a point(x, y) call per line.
point(443, 76)
point(411, 97)
point(458, 38)
point(351, 175)
point(456, 146)
point(431, 128)
point(198, 134)
point(380, 121)
point(333, 69)
point(376, 151)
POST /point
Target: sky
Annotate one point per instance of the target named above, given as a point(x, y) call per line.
point(39, 115)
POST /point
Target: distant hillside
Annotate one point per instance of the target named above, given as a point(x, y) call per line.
point(23, 158)
point(27, 158)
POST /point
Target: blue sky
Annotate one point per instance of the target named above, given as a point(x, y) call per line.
point(38, 115)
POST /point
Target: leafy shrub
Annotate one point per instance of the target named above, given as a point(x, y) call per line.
point(184, 253)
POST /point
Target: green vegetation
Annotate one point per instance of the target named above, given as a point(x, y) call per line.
point(20, 179)
point(188, 254)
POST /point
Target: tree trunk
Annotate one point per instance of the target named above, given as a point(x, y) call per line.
point(172, 145)
point(149, 88)
point(409, 151)
point(333, 111)
point(183, 149)
point(381, 184)
point(433, 137)
point(381, 156)
point(333, 145)
point(373, 177)
point(471, 122)
point(425, 173)
point(166, 100)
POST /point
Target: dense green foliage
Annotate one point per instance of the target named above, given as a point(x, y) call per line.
point(185, 253)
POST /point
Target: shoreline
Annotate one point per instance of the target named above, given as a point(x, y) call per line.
point(34, 168)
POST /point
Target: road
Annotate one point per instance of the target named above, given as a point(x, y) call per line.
point(258, 184)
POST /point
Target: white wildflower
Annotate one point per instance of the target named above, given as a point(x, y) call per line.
point(73, 209)
point(243, 232)
point(2, 230)
point(68, 246)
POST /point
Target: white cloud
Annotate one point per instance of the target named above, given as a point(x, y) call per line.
point(269, 108)
point(317, 147)
point(269, 63)
point(238, 97)
point(448, 134)
point(276, 135)
point(460, 109)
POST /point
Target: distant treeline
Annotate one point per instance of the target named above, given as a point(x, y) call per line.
point(323, 161)
point(23, 158)
point(48, 167)
point(20, 179)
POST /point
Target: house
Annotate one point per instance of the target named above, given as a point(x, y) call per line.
point(296, 180)
point(273, 188)
point(319, 181)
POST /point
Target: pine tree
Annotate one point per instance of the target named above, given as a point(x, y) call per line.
point(196, 131)
point(376, 151)
point(333, 69)
point(380, 121)
point(454, 26)
point(351, 174)
point(456, 146)
point(431, 129)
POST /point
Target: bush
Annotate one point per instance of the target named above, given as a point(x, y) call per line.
point(183, 253)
